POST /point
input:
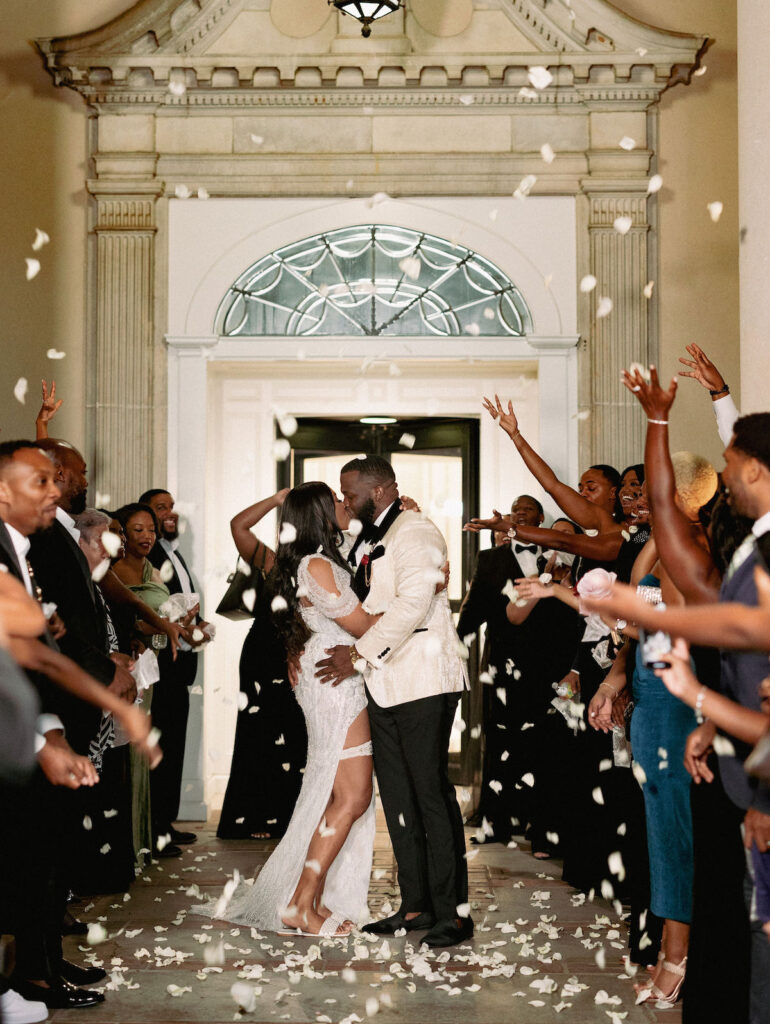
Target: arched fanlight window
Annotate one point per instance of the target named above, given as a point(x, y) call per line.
point(373, 280)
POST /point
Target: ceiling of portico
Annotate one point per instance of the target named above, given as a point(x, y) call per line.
point(230, 47)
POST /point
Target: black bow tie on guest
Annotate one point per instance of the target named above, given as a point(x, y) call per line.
point(525, 547)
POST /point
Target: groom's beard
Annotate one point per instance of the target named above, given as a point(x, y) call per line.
point(366, 517)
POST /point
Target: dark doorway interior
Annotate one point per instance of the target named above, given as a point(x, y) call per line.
point(436, 463)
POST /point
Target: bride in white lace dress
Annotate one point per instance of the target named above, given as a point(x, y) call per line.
point(317, 878)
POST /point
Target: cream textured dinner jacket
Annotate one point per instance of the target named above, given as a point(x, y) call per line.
point(412, 652)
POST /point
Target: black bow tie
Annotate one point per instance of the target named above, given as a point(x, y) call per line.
point(525, 547)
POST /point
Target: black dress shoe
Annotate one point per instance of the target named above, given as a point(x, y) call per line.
point(182, 838)
point(449, 932)
point(390, 925)
point(60, 996)
point(71, 926)
point(169, 850)
point(77, 975)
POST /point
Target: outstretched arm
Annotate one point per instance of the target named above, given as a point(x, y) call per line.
point(240, 527)
point(689, 564)
point(48, 410)
point(574, 505)
point(741, 722)
point(706, 374)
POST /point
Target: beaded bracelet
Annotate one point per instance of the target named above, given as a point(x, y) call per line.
point(699, 718)
point(659, 423)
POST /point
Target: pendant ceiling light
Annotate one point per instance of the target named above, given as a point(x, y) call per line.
point(367, 11)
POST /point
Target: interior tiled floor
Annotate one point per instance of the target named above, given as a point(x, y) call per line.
point(537, 954)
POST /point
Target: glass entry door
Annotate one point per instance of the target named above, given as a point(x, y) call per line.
point(436, 463)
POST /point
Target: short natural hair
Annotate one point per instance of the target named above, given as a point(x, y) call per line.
point(9, 448)
point(124, 513)
point(373, 467)
point(144, 499)
point(751, 435)
point(695, 479)
point(88, 521)
point(536, 503)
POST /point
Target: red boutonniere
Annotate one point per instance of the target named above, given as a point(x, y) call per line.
point(365, 560)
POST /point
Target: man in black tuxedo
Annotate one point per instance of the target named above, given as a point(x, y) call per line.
point(511, 653)
point(34, 890)
point(171, 695)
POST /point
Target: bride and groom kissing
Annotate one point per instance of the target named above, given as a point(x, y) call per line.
point(378, 678)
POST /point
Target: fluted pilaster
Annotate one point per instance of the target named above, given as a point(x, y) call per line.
point(124, 357)
point(619, 263)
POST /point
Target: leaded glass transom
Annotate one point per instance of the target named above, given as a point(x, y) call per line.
point(373, 280)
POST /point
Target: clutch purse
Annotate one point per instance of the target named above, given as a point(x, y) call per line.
point(232, 606)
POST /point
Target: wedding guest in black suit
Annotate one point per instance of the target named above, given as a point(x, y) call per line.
point(508, 654)
point(33, 890)
point(171, 697)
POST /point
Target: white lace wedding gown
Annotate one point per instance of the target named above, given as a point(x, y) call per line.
point(329, 712)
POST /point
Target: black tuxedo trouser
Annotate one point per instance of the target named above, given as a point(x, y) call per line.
point(170, 709)
point(411, 758)
point(33, 887)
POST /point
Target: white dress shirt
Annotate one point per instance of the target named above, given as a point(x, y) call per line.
point(526, 559)
point(726, 413)
point(170, 546)
point(21, 547)
point(68, 523)
point(365, 546)
point(762, 525)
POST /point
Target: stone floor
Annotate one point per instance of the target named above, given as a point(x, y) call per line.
point(541, 953)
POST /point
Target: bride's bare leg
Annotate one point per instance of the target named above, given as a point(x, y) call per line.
point(351, 796)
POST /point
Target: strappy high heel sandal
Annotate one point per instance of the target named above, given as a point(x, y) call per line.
point(663, 1001)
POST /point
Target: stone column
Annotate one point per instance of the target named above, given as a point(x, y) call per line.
point(754, 201)
point(619, 264)
point(123, 353)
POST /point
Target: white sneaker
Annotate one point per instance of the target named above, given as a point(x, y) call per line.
point(15, 1009)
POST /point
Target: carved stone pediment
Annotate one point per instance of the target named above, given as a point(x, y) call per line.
point(239, 53)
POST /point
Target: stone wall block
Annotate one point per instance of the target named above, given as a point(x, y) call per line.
point(301, 134)
point(428, 134)
point(194, 135)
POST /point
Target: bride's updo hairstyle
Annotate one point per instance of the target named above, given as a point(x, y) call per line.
point(310, 510)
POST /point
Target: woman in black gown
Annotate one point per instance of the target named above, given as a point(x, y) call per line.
point(270, 737)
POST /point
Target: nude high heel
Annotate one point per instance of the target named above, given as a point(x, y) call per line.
point(663, 1001)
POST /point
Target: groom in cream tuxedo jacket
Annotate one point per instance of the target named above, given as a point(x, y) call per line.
point(414, 678)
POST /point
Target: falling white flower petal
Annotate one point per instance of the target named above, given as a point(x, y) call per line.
point(407, 440)
point(258, 140)
point(33, 267)
point(177, 87)
point(603, 307)
point(244, 996)
point(547, 153)
point(182, 192)
point(597, 795)
point(648, 289)
point(539, 76)
point(411, 266)
point(54, 353)
point(203, 193)
point(278, 604)
point(655, 184)
point(587, 283)
point(41, 239)
point(627, 143)
point(467, 99)
point(714, 209)
point(166, 571)
point(96, 933)
point(524, 187)
point(355, 526)
point(281, 449)
point(622, 224)
point(20, 390)
point(288, 534)
point(463, 909)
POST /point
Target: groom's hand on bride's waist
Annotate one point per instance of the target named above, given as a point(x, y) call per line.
point(336, 667)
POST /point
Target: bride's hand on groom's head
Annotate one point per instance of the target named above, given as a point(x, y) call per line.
point(409, 504)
